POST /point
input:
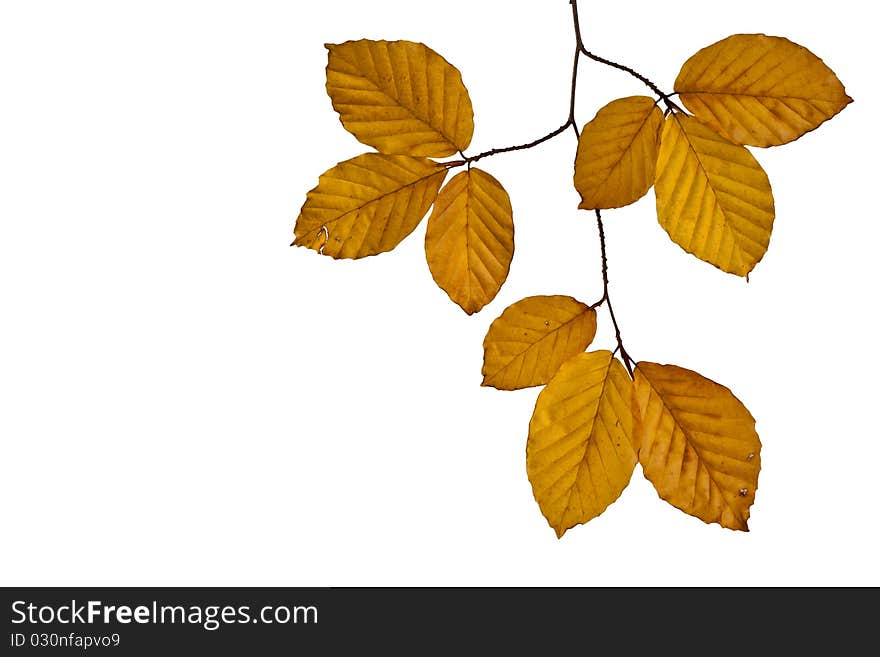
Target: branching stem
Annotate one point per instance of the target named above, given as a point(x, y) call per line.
point(570, 122)
point(507, 149)
point(665, 97)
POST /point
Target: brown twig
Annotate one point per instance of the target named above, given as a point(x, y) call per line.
point(624, 356)
point(521, 147)
point(570, 122)
point(665, 97)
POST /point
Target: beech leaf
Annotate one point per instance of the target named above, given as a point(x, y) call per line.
point(698, 444)
point(580, 453)
point(760, 90)
point(469, 239)
point(528, 342)
point(713, 198)
point(399, 97)
point(368, 204)
point(617, 153)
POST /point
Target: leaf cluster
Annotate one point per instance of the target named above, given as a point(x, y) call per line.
point(598, 415)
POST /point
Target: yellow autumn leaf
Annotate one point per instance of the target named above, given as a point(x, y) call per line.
point(368, 204)
point(713, 198)
point(580, 454)
point(760, 90)
point(469, 240)
point(617, 153)
point(698, 444)
point(530, 340)
point(399, 97)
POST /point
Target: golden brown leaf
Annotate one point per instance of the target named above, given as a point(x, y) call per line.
point(760, 90)
point(713, 198)
point(617, 153)
point(580, 455)
point(399, 97)
point(699, 447)
point(469, 240)
point(367, 204)
point(528, 342)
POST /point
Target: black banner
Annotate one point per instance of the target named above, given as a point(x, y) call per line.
point(266, 621)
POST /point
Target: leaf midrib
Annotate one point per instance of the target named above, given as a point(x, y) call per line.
point(589, 439)
point(693, 446)
point(376, 199)
point(756, 95)
point(539, 341)
point(397, 101)
point(635, 136)
point(744, 256)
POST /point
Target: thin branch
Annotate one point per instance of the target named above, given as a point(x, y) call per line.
point(624, 356)
point(602, 60)
point(570, 122)
point(521, 147)
point(574, 82)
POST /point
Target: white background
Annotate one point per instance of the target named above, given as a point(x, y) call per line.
point(186, 400)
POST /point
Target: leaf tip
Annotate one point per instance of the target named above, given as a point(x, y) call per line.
point(743, 272)
point(742, 526)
